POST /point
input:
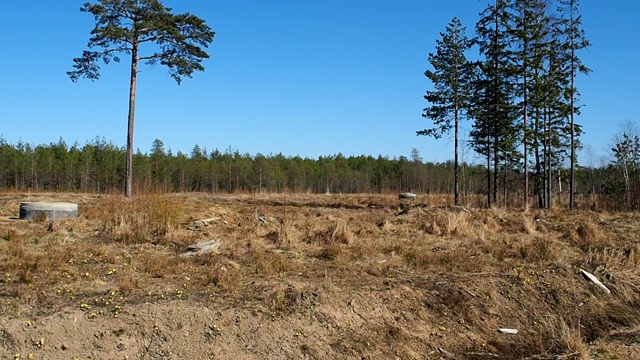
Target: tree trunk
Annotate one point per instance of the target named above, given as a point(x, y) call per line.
point(549, 175)
point(573, 144)
point(128, 186)
point(496, 169)
point(539, 181)
point(455, 161)
point(504, 180)
point(496, 102)
point(524, 117)
point(488, 176)
point(525, 148)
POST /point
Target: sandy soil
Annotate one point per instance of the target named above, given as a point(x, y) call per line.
point(302, 283)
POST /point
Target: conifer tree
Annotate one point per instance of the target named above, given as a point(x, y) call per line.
point(123, 27)
point(494, 133)
point(450, 98)
point(530, 35)
point(574, 40)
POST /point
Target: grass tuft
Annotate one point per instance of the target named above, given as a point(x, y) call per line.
point(149, 218)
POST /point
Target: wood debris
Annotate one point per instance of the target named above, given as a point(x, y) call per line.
point(201, 248)
point(595, 280)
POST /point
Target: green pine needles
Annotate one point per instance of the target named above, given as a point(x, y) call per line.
point(122, 27)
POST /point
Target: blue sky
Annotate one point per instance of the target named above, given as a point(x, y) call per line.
point(285, 76)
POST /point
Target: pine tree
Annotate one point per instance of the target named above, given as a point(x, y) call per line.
point(122, 27)
point(494, 133)
point(531, 26)
point(574, 40)
point(450, 97)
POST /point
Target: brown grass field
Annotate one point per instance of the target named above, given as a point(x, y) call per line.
point(315, 277)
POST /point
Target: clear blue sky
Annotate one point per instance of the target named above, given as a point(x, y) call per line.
point(304, 78)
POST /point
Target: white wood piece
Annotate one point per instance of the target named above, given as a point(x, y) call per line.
point(595, 280)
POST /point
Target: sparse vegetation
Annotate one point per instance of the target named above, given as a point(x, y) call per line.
point(378, 282)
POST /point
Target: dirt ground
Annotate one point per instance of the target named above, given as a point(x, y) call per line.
point(315, 277)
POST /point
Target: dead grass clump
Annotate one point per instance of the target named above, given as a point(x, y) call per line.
point(15, 248)
point(417, 257)
point(64, 225)
point(431, 227)
point(418, 254)
point(528, 224)
point(263, 259)
point(218, 271)
point(538, 249)
point(332, 239)
point(289, 298)
point(588, 235)
point(341, 233)
point(552, 339)
point(619, 270)
point(368, 249)
point(490, 225)
point(159, 264)
point(541, 227)
point(127, 284)
point(144, 219)
point(286, 233)
point(225, 276)
point(459, 224)
point(447, 222)
point(571, 342)
point(26, 270)
point(331, 251)
point(498, 249)
point(9, 233)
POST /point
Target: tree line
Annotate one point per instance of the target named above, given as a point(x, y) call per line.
point(97, 167)
point(520, 94)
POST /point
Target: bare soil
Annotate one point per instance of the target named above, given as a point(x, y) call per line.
point(302, 276)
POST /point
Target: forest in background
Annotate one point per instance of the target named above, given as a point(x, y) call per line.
point(98, 167)
point(520, 96)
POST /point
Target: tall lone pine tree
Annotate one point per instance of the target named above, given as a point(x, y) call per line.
point(122, 27)
point(450, 97)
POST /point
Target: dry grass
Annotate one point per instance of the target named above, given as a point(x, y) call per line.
point(468, 270)
point(150, 218)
